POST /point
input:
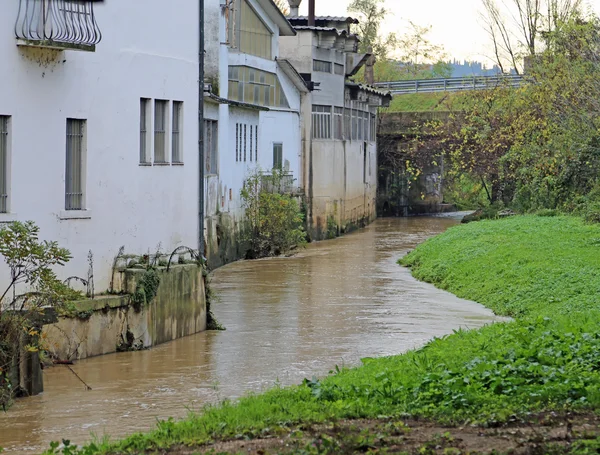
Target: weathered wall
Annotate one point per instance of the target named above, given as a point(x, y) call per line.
point(178, 310)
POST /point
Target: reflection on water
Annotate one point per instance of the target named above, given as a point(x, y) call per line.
point(286, 319)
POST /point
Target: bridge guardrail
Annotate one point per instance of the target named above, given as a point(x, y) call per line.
point(453, 84)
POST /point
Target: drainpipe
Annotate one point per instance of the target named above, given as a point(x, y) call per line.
point(201, 129)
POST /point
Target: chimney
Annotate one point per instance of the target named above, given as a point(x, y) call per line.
point(369, 67)
point(311, 13)
point(294, 7)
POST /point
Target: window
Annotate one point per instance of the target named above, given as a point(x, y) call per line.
point(347, 123)
point(4, 163)
point(278, 156)
point(256, 143)
point(321, 122)
point(354, 124)
point(74, 173)
point(245, 141)
point(176, 143)
point(338, 123)
point(237, 142)
point(338, 68)
point(254, 86)
point(160, 131)
point(144, 131)
point(255, 37)
point(210, 146)
point(251, 141)
point(373, 129)
point(322, 66)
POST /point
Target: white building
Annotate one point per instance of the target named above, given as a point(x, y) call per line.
point(98, 126)
point(340, 129)
point(254, 117)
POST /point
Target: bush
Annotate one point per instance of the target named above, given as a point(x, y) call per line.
point(274, 220)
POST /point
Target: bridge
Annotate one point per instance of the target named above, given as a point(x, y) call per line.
point(452, 84)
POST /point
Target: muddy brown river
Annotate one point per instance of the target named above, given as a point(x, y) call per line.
point(287, 319)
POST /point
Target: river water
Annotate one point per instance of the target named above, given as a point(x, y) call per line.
point(287, 319)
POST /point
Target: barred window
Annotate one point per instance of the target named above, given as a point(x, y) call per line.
point(245, 141)
point(4, 163)
point(160, 131)
point(176, 142)
point(373, 128)
point(74, 171)
point(144, 131)
point(321, 122)
point(256, 143)
point(338, 123)
point(237, 142)
point(338, 69)
point(322, 66)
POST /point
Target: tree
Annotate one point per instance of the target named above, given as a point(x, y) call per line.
point(283, 6)
point(371, 14)
point(419, 56)
point(520, 28)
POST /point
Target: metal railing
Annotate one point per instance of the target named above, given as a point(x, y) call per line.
point(453, 84)
point(58, 23)
point(285, 184)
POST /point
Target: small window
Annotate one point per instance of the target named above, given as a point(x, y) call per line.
point(237, 141)
point(321, 122)
point(373, 129)
point(322, 66)
point(338, 69)
point(75, 168)
point(210, 146)
point(144, 131)
point(176, 142)
point(245, 142)
point(278, 156)
point(4, 172)
point(251, 141)
point(160, 131)
point(256, 143)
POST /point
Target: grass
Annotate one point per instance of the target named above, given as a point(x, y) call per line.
point(544, 271)
point(420, 102)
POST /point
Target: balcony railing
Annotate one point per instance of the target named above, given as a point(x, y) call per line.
point(59, 24)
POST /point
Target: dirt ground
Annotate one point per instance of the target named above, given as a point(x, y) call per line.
point(544, 434)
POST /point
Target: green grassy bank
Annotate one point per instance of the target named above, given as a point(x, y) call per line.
point(544, 271)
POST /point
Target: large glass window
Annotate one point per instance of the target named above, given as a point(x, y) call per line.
point(255, 37)
point(250, 85)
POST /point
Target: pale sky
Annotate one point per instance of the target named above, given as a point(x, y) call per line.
point(456, 23)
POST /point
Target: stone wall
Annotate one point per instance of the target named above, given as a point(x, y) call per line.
point(109, 323)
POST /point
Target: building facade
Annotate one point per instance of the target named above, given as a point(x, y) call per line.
point(340, 140)
point(98, 126)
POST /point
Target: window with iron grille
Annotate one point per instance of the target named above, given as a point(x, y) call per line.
point(210, 146)
point(245, 141)
point(75, 168)
point(176, 135)
point(4, 119)
point(160, 131)
point(338, 69)
point(237, 141)
point(256, 143)
point(322, 66)
point(321, 122)
point(278, 156)
point(338, 123)
point(251, 141)
point(144, 131)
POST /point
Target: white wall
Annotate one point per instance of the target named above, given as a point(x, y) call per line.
point(147, 50)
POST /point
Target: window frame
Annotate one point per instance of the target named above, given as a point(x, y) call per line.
point(177, 132)
point(145, 129)
point(161, 132)
point(322, 66)
point(277, 156)
point(321, 122)
point(75, 179)
point(5, 164)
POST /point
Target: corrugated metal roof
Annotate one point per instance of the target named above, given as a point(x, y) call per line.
point(369, 89)
point(327, 29)
point(349, 20)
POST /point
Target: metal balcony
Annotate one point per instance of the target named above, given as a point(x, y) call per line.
point(58, 24)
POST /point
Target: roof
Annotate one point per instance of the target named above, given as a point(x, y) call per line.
point(293, 74)
point(219, 100)
point(327, 29)
point(369, 89)
point(348, 20)
point(285, 28)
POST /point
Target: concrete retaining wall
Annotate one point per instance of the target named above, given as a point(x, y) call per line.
point(109, 323)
